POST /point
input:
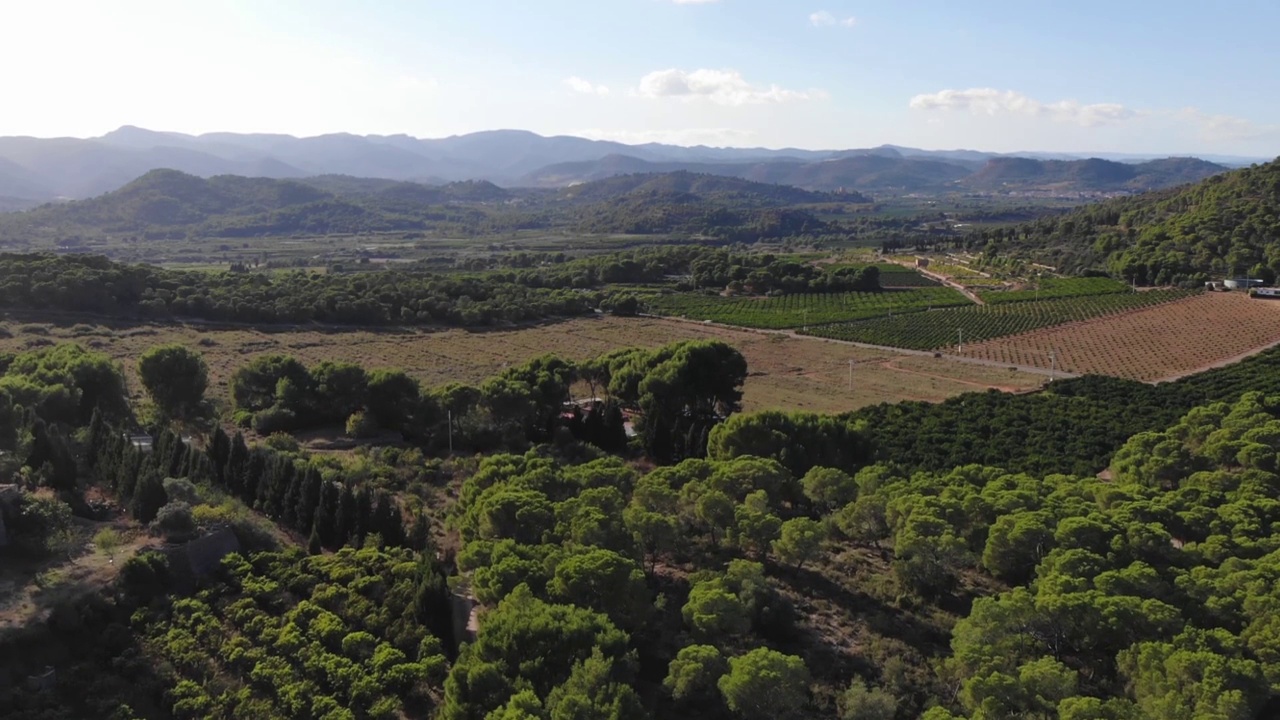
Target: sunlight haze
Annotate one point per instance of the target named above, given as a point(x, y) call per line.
point(1169, 77)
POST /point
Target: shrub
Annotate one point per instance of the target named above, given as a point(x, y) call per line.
point(283, 442)
point(181, 490)
point(361, 425)
point(175, 522)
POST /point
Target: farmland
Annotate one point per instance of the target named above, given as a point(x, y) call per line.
point(942, 328)
point(1161, 342)
point(786, 373)
point(892, 275)
point(1052, 288)
point(793, 311)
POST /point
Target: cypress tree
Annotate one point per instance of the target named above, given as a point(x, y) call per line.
point(310, 498)
point(388, 522)
point(313, 543)
point(364, 515)
point(97, 436)
point(346, 526)
point(131, 465)
point(327, 515)
point(148, 498)
point(420, 533)
point(219, 450)
point(292, 499)
point(236, 466)
point(254, 471)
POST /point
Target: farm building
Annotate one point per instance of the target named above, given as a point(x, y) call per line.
point(1265, 293)
point(922, 262)
point(1240, 283)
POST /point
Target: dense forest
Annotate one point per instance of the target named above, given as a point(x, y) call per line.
point(998, 579)
point(1225, 225)
point(343, 542)
point(93, 284)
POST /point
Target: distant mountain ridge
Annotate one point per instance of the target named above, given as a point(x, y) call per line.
point(894, 173)
point(34, 170)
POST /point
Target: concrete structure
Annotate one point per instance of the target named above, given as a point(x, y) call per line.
point(1240, 283)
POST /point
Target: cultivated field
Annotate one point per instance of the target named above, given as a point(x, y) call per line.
point(786, 372)
point(800, 309)
point(948, 326)
point(1156, 343)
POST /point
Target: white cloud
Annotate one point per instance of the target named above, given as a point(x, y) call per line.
point(718, 137)
point(989, 101)
point(822, 18)
point(585, 87)
point(1226, 127)
point(723, 87)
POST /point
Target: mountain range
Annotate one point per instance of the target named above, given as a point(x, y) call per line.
point(167, 204)
point(36, 170)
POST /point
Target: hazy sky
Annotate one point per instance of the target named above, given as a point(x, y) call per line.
point(1119, 76)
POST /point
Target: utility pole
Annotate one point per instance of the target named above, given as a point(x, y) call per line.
point(851, 376)
point(1053, 365)
point(450, 432)
point(960, 346)
point(806, 319)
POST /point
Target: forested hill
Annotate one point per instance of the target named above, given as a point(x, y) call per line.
point(171, 204)
point(1228, 224)
point(891, 173)
point(1091, 174)
point(682, 184)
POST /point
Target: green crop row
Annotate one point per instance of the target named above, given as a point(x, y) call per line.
point(1050, 288)
point(793, 311)
point(943, 328)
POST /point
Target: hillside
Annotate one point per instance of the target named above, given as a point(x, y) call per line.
point(1225, 225)
point(172, 204)
point(1092, 175)
point(890, 171)
point(686, 184)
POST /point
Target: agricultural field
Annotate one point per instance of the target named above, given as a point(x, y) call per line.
point(945, 327)
point(892, 275)
point(1158, 343)
point(793, 311)
point(785, 372)
point(1051, 288)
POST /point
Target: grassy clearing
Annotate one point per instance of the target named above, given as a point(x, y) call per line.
point(787, 373)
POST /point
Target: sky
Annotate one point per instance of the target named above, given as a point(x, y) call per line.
point(1135, 76)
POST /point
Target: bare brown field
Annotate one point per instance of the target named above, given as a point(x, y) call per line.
point(786, 372)
point(1158, 343)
